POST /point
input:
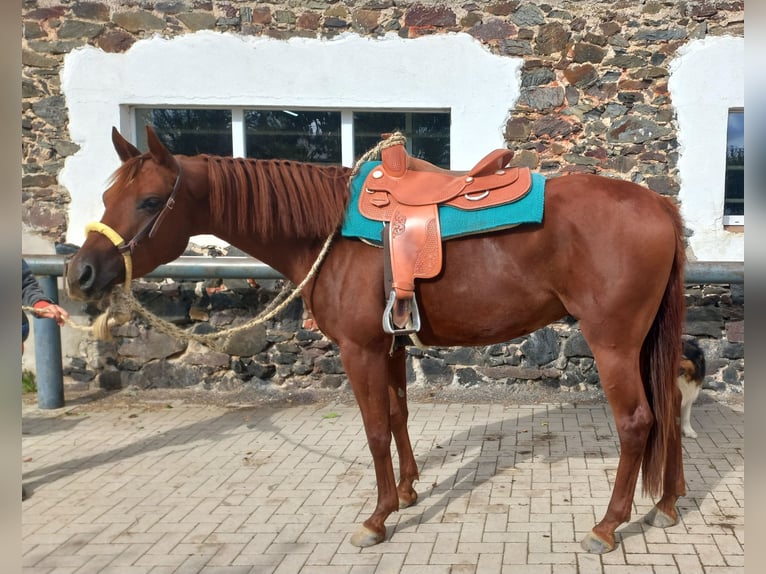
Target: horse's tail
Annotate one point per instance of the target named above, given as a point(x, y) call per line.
point(660, 359)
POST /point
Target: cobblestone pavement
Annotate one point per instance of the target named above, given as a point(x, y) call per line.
point(180, 487)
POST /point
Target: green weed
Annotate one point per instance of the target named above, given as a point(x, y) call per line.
point(28, 382)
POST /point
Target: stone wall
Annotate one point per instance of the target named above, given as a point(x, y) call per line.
point(594, 99)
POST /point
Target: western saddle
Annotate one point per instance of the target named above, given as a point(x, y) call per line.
point(405, 193)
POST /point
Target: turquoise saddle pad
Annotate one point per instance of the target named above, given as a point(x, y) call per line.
point(454, 222)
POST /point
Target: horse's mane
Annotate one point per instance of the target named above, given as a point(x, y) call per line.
point(266, 197)
point(277, 197)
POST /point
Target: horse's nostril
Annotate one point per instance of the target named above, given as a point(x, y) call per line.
point(87, 276)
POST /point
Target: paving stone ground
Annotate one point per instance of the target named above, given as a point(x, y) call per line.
point(160, 487)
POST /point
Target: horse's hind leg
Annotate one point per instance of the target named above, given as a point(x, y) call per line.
point(408, 469)
point(621, 381)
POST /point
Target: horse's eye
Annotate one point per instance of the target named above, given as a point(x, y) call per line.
point(151, 204)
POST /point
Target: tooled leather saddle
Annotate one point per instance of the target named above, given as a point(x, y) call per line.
point(405, 193)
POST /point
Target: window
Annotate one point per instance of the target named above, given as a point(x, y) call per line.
point(300, 135)
point(734, 194)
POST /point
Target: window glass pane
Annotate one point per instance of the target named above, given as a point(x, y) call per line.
point(370, 126)
point(187, 131)
point(734, 203)
point(312, 136)
point(430, 138)
point(427, 133)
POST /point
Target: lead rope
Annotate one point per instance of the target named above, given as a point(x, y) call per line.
point(68, 320)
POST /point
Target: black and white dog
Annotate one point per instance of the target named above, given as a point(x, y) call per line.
point(691, 375)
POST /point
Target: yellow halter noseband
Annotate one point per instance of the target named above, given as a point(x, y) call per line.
point(119, 243)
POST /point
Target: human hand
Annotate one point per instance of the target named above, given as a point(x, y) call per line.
point(46, 310)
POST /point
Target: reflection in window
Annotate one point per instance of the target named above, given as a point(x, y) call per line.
point(734, 195)
point(187, 131)
point(312, 136)
point(427, 133)
point(299, 135)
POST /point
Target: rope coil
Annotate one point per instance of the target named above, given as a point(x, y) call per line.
point(123, 304)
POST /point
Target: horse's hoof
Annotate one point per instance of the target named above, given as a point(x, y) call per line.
point(409, 501)
point(660, 519)
point(365, 537)
point(596, 545)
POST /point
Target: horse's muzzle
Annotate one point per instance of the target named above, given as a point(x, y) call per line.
point(87, 280)
point(80, 278)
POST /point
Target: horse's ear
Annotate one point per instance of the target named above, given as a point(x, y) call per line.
point(160, 153)
point(125, 149)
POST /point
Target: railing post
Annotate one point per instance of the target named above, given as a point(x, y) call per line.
point(50, 377)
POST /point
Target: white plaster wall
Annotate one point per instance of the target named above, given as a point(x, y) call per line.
point(451, 71)
point(706, 80)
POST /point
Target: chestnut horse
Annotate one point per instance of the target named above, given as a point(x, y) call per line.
point(608, 252)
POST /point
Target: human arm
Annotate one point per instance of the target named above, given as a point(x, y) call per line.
point(33, 296)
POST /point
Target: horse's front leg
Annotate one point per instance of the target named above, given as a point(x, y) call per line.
point(408, 468)
point(369, 369)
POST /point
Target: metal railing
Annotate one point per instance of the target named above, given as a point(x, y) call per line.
point(47, 334)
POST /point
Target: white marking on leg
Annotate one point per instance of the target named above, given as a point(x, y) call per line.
point(689, 393)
